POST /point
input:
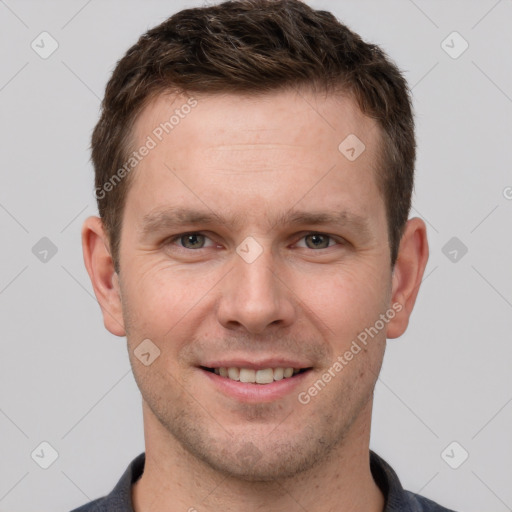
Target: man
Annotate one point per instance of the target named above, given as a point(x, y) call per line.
point(254, 168)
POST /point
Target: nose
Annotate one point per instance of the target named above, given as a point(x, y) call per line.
point(255, 297)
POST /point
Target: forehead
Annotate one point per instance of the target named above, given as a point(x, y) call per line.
point(255, 150)
point(296, 116)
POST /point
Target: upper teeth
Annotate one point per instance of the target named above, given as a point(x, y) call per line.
point(265, 376)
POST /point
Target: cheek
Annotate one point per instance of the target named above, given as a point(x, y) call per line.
point(347, 299)
point(160, 300)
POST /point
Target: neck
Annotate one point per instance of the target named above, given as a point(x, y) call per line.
point(175, 480)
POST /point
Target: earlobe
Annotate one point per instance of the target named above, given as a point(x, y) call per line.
point(407, 274)
point(100, 267)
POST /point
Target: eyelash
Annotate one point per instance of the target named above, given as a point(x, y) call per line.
point(178, 237)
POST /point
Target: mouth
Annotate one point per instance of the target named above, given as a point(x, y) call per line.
point(263, 376)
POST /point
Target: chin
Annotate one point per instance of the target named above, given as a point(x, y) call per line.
point(262, 461)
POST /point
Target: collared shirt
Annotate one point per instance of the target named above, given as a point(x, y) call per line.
point(397, 499)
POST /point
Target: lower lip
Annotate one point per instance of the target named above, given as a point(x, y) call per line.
point(249, 392)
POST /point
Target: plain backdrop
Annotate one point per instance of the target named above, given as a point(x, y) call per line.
point(445, 391)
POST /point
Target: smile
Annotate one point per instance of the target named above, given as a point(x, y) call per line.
point(249, 375)
point(251, 385)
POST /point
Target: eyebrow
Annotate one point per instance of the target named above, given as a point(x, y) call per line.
point(174, 217)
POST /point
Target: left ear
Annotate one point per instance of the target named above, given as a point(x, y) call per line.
point(407, 274)
point(104, 279)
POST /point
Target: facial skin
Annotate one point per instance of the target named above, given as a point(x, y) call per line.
point(250, 161)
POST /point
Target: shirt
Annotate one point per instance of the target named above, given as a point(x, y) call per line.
point(397, 499)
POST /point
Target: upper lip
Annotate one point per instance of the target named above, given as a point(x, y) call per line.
point(259, 364)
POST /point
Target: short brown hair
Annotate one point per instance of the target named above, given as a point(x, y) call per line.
point(255, 47)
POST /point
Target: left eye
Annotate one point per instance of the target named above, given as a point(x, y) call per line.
point(192, 240)
point(317, 241)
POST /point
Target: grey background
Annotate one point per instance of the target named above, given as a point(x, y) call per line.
point(67, 381)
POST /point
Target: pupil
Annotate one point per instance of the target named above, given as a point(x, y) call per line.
point(318, 240)
point(192, 240)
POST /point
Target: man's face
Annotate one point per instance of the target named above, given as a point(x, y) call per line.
point(288, 262)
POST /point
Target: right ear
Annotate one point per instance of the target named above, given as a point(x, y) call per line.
point(104, 278)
